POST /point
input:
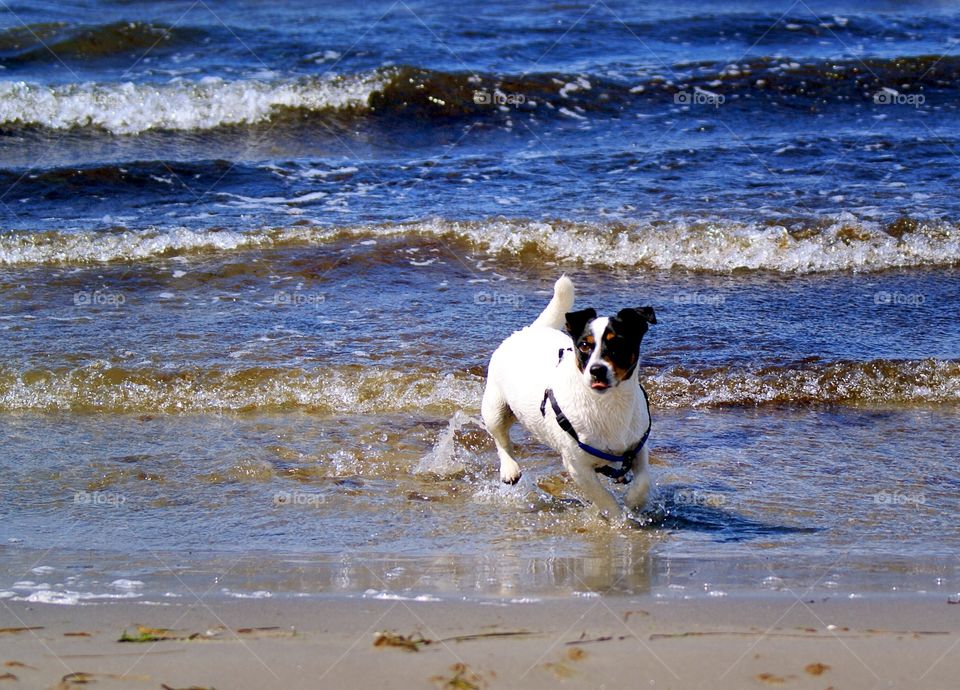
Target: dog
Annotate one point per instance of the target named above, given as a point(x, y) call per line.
point(570, 378)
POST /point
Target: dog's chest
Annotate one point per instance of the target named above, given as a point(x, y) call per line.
point(610, 423)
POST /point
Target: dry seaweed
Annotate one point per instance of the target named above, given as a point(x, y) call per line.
point(463, 679)
point(480, 636)
point(411, 643)
point(414, 641)
point(14, 631)
point(145, 634)
point(73, 680)
point(772, 679)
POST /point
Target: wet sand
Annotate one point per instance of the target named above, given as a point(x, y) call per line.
point(596, 642)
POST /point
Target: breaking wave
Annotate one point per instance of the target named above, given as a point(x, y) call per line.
point(841, 244)
point(355, 389)
point(425, 95)
point(133, 108)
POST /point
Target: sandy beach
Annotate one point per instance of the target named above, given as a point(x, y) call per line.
point(595, 642)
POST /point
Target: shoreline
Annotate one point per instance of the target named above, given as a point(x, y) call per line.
point(732, 642)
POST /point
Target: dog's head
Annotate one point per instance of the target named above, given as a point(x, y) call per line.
point(608, 348)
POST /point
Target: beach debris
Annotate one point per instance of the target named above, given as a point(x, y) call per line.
point(414, 641)
point(480, 636)
point(583, 639)
point(560, 669)
point(816, 669)
point(18, 664)
point(268, 631)
point(463, 678)
point(78, 633)
point(636, 612)
point(576, 654)
point(411, 643)
point(734, 633)
point(72, 680)
point(8, 676)
point(81, 678)
point(147, 634)
point(14, 631)
point(772, 678)
point(192, 687)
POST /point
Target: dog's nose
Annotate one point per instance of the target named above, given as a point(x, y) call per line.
point(598, 371)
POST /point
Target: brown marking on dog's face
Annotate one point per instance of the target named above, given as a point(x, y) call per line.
point(578, 327)
point(621, 340)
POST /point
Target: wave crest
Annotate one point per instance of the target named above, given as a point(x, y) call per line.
point(132, 108)
point(355, 389)
point(843, 244)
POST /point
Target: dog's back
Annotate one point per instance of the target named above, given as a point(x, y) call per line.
point(520, 369)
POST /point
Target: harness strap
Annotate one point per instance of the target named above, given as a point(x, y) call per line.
point(625, 459)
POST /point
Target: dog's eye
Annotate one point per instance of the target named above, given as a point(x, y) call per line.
point(585, 347)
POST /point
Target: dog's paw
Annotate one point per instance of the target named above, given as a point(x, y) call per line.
point(510, 474)
point(510, 477)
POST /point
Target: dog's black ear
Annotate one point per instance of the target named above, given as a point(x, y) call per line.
point(645, 314)
point(637, 320)
point(577, 321)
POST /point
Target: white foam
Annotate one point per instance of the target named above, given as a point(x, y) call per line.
point(393, 596)
point(259, 594)
point(846, 244)
point(102, 247)
point(69, 597)
point(126, 584)
point(129, 108)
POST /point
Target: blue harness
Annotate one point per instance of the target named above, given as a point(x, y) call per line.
point(625, 460)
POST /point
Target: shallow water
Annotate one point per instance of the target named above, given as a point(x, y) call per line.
point(253, 261)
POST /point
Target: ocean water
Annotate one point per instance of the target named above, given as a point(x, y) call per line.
point(254, 258)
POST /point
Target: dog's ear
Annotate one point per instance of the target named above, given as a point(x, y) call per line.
point(637, 320)
point(645, 314)
point(577, 321)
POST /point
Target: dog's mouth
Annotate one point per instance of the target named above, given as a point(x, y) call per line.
point(599, 385)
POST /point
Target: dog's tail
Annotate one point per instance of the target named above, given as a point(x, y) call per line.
point(554, 316)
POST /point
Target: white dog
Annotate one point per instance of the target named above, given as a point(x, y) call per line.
point(577, 391)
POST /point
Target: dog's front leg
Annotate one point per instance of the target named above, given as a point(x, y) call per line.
point(639, 487)
point(582, 472)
